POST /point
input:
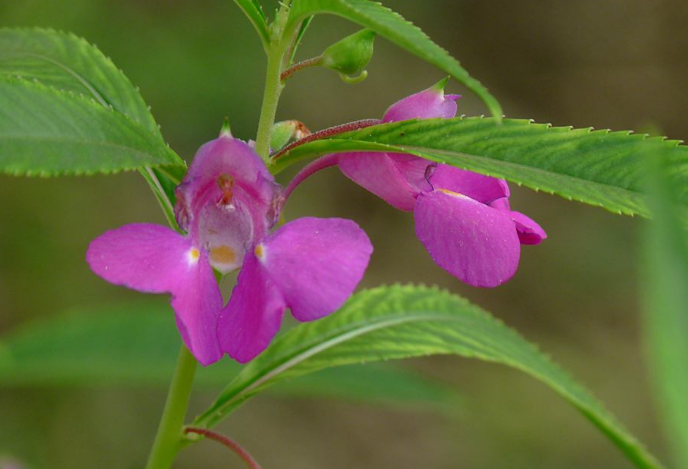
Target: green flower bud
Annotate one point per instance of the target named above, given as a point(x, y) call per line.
point(351, 55)
point(285, 131)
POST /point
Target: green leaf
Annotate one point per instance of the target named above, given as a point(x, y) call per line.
point(45, 132)
point(405, 321)
point(254, 12)
point(665, 294)
point(298, 38)
point(395, 28)
point(597, 167)
point(68, 63)
point(136, 345)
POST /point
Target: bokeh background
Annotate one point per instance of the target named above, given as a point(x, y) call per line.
point(619, 64)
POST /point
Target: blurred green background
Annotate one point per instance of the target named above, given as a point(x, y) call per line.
point(620, 64)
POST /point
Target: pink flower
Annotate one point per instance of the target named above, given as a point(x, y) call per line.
point(227, 204)
point(462, 218)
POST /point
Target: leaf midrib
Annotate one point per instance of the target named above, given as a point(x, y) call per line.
point(528, 168)
point(81, 79)
point(395, 148)
point(353, 331)
point(83, 142)
point(302, 354)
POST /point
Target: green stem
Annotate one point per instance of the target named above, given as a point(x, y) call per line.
point(271, 95)
point(168, 439)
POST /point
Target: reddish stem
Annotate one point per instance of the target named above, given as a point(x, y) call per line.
point(330, 131)
point(229, 443)
point(314, 62)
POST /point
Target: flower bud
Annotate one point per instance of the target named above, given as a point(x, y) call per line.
point(286, 131)
point(351, 55)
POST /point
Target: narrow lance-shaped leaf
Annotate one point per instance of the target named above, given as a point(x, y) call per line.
point(597, 167)
point(136, 345)
point(664, 284)
point(45, 132)
point(403, 321)
point(69, 63)
point(298, 38)
point(254, 12)
point(395, 28)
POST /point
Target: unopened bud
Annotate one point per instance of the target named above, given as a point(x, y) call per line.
point(351, 55)
point(286, 131)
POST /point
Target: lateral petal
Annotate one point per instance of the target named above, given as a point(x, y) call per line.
point(253, 315)
point(378, 173)
point(197, 304)
point(316, 263)
point(529, 232)
point(474, 242)
point(484, 189)
point(145, 257)
point(156, 259)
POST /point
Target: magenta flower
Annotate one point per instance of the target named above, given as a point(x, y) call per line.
point(309, 265)
point(462, 218)
point(227, 204)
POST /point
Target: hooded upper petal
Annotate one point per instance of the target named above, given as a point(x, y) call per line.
point(156, 259)
point(399, 178)
point(472, 241)
point(426, 104)
point(226, 173)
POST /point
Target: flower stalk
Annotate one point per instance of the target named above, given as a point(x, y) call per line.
point(250, 462)
point(312, 62)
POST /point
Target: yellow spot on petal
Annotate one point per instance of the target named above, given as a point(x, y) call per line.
point(260, 252)
point(452, 193)
point(223, 255)
point(194, 254)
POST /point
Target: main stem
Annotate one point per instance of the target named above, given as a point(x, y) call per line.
point(271, 94)
point(169, 436)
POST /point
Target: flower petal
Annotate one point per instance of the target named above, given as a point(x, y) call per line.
point(227, 172)
point(156, 259)
point(147, 258)
point(529, 232)
point(474, 242)
point(484, 189)
point(197, 304)
point(226, 233)
point(253, 315)
point(316, 263)
point(378, 173)
point(427, 104)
